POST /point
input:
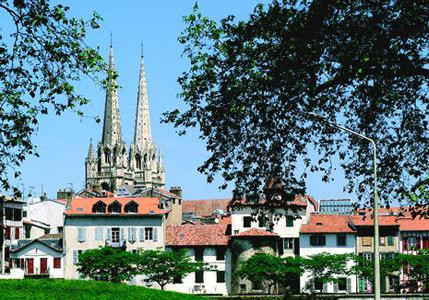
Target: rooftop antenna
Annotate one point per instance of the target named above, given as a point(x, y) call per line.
point(111, 38)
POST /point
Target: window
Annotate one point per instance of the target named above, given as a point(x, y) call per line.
point(7, 233)
point(317, 240)
point(341, 240)
point(262, 221)
point(411, 242)
point(99, 207)
point(27, 232)
point(236, 231)
point(367, 241)
point(367, 255)
point(81, 234)
point(382, 241)
point(131, 207)
point(114, 208)
point(99, 234)
point(390, 241)
point(289, 221)
point(220, 253)
point(199, 277)
point(57, 262)
point(148, 233)
point(17, 214)
point(177, 279)
point(60, 229)
point(247, 221)
point(16, 233)
point(220, 276)
point(115, 235)
point(199, 254)
point(132, 234)
point(318, 284)
point(9, 213)
point(342, 284)
point(288, 243)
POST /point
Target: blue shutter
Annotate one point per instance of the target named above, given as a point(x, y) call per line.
point(74, 257)
point(121, 234)
point(109, 234)
point(141, 234)
point(155, 234)
point(325, 287)
point(349, 285)
point(133, 231)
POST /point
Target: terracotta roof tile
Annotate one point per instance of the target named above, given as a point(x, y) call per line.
point(301, 201)
point(202, 208)
point(146, 206)
point(369, 221)
point(328, 224)
point(197, 235)
point(255, 232)
point(417, 224)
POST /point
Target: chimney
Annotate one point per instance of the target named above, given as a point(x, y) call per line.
point(177, 190)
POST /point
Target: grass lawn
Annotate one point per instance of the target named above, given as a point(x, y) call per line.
point(80, 289)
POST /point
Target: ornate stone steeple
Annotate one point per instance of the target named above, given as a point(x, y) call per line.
point(112, 121)
point(142, 130)
point(91, 155)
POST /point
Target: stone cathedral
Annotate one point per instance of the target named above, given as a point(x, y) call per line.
point(114, 166)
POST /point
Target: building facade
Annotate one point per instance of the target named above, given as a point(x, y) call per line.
point(112, 164)
point(132, 224)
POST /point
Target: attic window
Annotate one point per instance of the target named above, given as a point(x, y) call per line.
point(131, 207)
point(99, 207)
point(115, 207)
point(79, 209)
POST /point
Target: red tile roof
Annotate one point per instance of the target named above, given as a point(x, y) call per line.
point(301, 201)
point(328, 224)
point(83, 206)
point(255, 232)
point(369, 221)
point(202, 208)
point(197, 235)
point(417, 224)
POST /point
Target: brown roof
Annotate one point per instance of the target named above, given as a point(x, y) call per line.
point(300, 201)
point(83, 206)
point(255, 232)
point(327, 224)
point(197, 235)
point(205, 207)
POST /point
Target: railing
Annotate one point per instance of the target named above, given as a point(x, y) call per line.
point(120, 244)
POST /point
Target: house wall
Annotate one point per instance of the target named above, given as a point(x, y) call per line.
point(332, 248)
point(38, 251)
point(48, 212)
point(72, 244)
point(210, 285)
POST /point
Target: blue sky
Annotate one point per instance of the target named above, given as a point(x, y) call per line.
point(63, 141)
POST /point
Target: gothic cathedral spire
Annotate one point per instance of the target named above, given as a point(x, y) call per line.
point(112, 120)
point(142, 130)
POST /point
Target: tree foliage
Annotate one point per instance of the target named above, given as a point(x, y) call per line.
point(417, 271)
point(163, 267)
point(252, 83)
point(107, 264)
point(269, 270)
point(42, 55)
point(326, 267)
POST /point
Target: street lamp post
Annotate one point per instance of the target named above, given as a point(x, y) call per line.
point(377, 291)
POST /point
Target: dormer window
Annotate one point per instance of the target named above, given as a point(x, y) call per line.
point(114, 208)
point(131, 207)
point(99, 207)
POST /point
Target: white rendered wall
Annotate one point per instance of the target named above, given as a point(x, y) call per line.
point(331, 247)
point(49, 212)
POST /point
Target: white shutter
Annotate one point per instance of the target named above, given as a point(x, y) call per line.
point(133, 232)
point(75, 257)
point(155, 234)
point(109, 234)
point(84, 234)
point(121, 234)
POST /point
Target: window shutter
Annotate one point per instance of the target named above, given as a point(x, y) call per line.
point(81, 234)
point(109, 234)
point(404, 244)
point(134, 231)
point(74, 256)
point(390, 240)
point(99, 233)
point(325, 287)
point(349, 285)
point(141, 234)
point(155, 234)
point(418, 244)
point(335, 287)
point(121, 234)
point(130, 235)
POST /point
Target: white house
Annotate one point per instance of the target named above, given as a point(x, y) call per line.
point(206, 243)
point(44, 217)
point(132, 224)
point(333, 234)
point(41, 256)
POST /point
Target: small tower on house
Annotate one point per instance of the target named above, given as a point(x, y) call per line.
point(145, 159)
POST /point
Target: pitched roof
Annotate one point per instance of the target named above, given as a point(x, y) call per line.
point(255, 232)
point(197, 235)
point(328, 224)
point(299, 201)
point(54, 243)
point(83, 206)
point(204, 207)
point(416, 224)
point(369, 221)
